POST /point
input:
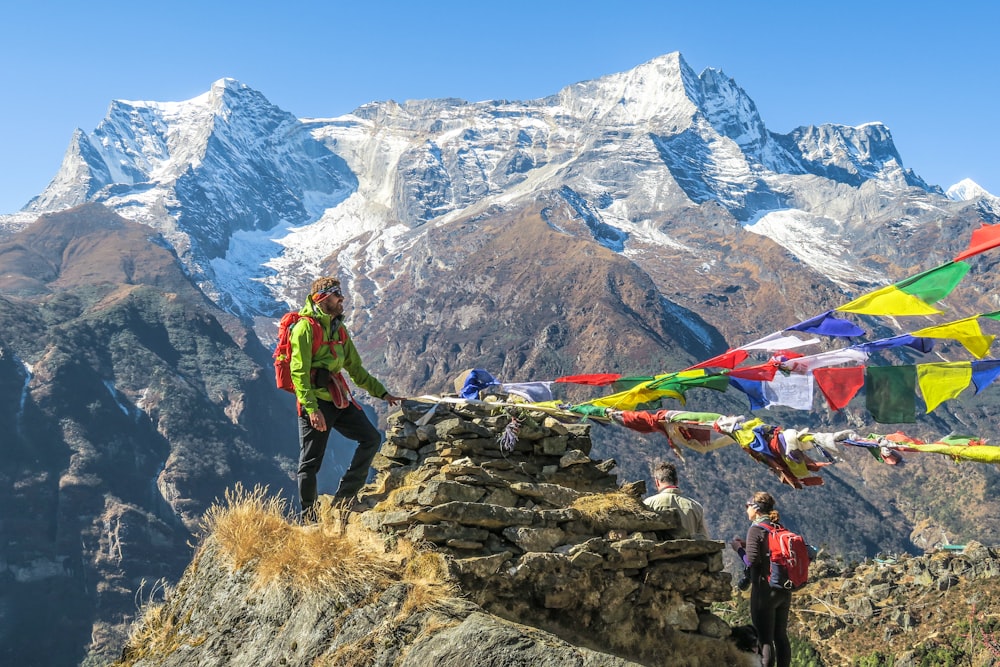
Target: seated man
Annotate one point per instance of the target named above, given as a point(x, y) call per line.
point(670, 498)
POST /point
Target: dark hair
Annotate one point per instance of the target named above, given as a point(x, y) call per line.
point(665, 472)
point(765, 505)
point(321, 284)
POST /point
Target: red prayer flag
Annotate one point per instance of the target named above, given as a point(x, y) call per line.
point(728, 359)
point(594, 379)
point(840, 385)
point(762, 372)
point(984, 238)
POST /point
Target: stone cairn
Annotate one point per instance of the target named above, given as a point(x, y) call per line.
point(519, 538)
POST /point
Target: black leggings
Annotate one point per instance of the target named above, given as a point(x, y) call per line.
point(769, 609)
point(352, 423)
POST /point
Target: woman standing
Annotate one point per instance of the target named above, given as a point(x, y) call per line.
point(769, 606)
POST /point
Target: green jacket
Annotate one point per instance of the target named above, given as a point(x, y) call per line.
point(340, 355)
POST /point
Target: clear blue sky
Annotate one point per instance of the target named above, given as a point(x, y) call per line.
point(930, 71)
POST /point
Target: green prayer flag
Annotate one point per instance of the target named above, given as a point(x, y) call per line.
point(935, 284)
point(624, 384)
point(890, 394)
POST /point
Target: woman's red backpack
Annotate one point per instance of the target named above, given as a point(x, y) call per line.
point(789, 555)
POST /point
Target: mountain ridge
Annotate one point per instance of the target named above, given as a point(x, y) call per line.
point(511, 236)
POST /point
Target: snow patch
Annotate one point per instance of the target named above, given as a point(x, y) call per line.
point(810, 238)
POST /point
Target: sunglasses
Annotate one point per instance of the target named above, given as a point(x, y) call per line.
point(328, 292)
point(753, 505)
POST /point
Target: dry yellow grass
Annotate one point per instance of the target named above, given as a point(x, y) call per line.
point(331, 557)
point(601, 506)
point(429, 583)
point(253, 529)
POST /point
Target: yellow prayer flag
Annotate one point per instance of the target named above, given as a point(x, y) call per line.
point(943, 382)
point(980, 453)
point(965, 331)
point(889, 301)
point(630, 398)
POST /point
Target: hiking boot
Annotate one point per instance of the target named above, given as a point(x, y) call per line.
point(348, 505)
point(308, 516)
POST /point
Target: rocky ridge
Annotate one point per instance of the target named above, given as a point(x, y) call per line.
point(541, 540)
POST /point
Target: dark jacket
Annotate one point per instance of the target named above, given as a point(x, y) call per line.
point(758, 553)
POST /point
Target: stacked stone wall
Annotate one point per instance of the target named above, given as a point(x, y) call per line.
point(522, 539)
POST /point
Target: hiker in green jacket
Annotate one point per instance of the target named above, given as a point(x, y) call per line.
point(324, 399)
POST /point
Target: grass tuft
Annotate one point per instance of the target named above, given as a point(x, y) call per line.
point(430, 584)
point(602, 506)
point(253, 529)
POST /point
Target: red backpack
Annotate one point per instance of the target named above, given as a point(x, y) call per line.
point(283, 350)
point(789, 555)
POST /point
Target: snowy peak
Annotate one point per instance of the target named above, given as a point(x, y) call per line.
point(966, 190)
point(730, 110)
point(847, 154)
point(201, 170)
point(663, 89)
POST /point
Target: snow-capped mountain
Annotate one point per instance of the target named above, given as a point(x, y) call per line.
point(633, 224)
point(252, 198)
point(201, 172)
point(966, 190)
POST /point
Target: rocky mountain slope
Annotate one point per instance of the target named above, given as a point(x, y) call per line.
point(131, 402)
point(636, 224)
point(538, 557)
point(904, 610)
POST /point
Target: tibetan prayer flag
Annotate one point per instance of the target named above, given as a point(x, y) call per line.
point(728, 359)
point(629, 400)
point(684, 380)
point(536, 392)
point(828, 325)
point(962, 448)
point(593, 379)
point(588, 410)
point(943, 382)
point(477, 381)
point(983, 239)
point(890, 394)
point(754, 389)
point(840, 385)
point(763, 372)
point(984, 373)
point(912, 296)
point(776, 342)
point(794, 391)
point(625, 384)
point(848, 355)
point(924, 345)
point(966, 331)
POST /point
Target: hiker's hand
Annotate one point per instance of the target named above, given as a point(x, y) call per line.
point(317, 420)
point(737, 544)
point(392, 400)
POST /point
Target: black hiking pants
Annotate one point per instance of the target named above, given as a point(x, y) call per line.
point(350, 422)
point(769, 609)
